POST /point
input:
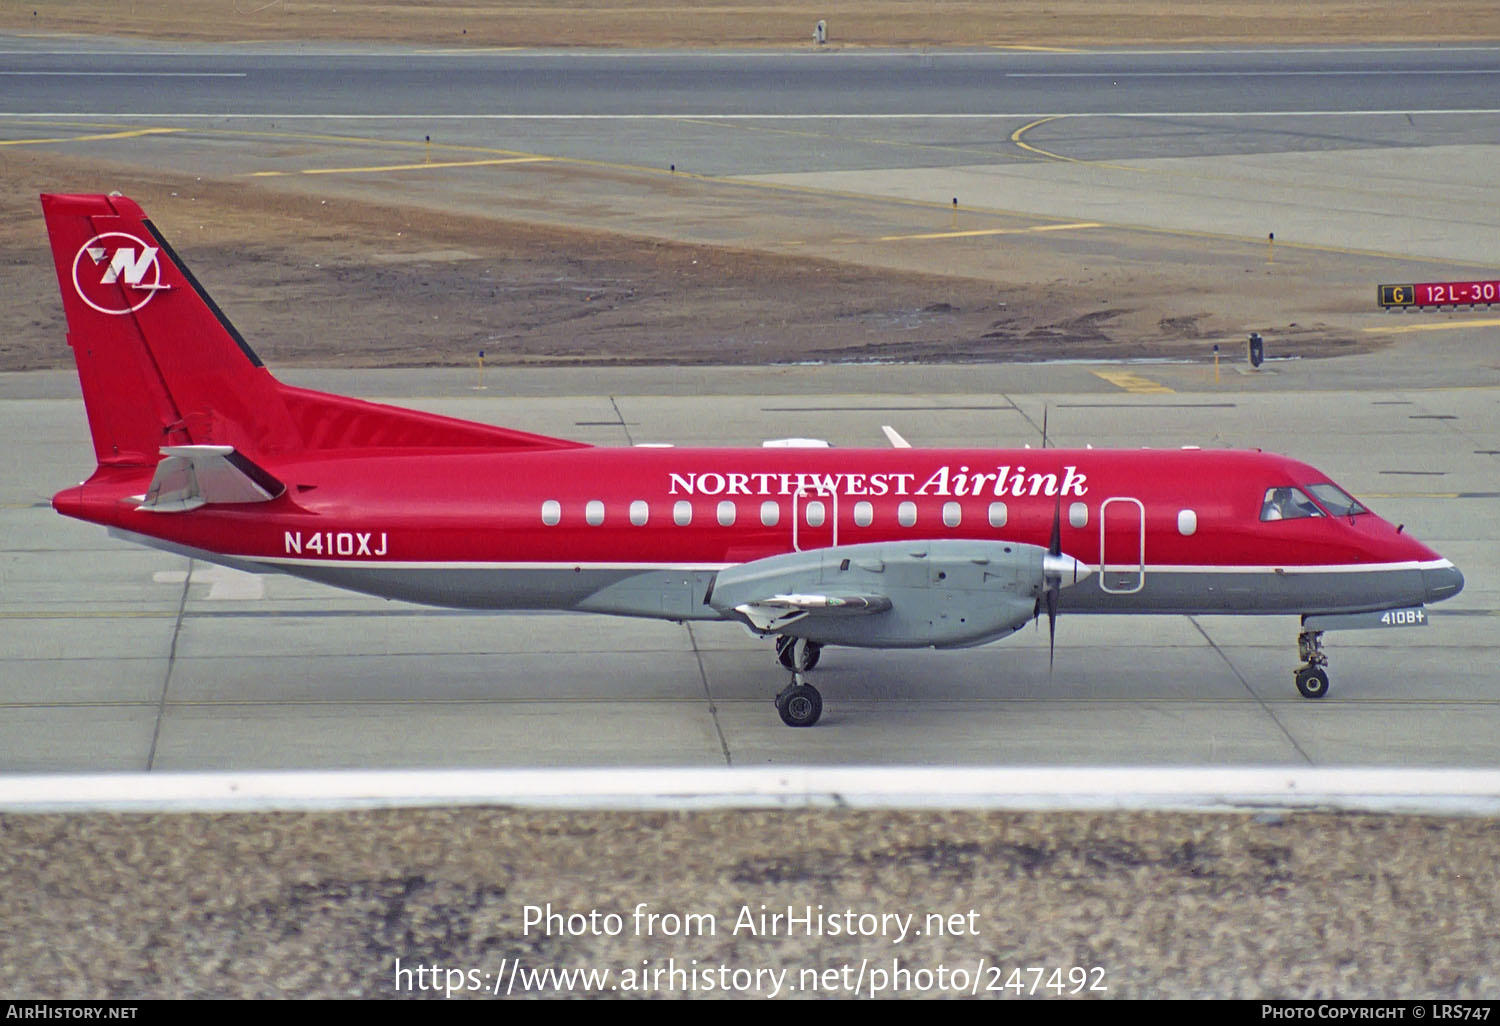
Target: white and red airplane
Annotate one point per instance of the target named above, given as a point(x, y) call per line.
point(202, 452)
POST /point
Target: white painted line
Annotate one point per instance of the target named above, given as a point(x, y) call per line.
point(1314, 73)
point(913, 116)
point(124, 74)
point(1205, 789)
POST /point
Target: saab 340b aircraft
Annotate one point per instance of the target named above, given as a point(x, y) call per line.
point(202, 452)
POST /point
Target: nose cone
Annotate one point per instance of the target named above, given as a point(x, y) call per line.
point(1442, 582)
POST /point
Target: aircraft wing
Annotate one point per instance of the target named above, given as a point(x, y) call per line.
point(777, 611)
point(190, 476)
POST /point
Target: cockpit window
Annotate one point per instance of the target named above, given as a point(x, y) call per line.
point(1336, 501)
point(1287, 504)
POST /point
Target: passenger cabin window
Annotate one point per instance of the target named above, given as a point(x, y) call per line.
point(815, 514)
point(593, 513)
point(1287, 504)
point(998, 514)
point(551, 512)
point(639, 512)
point(770, 514)
point(952, 514)
point(864, 514)
point(726, 514)
point(906, 514)
point(1336, 501)
point(682, 513)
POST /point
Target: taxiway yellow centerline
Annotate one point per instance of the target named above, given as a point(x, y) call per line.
point(90, 138)
point(1023, 48)
point(1407, 329)
point(994, 231)
point(399, 167)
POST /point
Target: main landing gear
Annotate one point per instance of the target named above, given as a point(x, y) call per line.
point(1312, 678)
point(799, 703)
point(787, 652)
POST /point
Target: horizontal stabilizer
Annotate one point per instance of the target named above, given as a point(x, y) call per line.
point(190, 476)
point(894, 437)
point(773, 613)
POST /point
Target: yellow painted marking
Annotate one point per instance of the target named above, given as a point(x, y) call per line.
point(398, 167)
point(1407, 329)
point(994, 231)
point(475, 49)
point(1021, 47)
point(1015, 137)
point(90, 138)
point(755, 128)
point(741, 126)
point(1132, 382)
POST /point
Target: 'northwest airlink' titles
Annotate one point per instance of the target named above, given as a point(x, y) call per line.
point(944, 481)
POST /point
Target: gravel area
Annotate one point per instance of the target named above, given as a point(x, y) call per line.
point(1168, 906)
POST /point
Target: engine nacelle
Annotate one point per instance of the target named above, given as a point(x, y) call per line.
point(942, 593)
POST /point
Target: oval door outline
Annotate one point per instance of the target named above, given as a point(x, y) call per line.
point(1137, 566)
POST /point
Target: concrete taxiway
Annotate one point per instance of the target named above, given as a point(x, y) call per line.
point(115, 657)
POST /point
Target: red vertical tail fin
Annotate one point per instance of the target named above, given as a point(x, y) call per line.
point(159, 363)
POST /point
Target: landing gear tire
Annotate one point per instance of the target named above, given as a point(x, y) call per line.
point(1312, 678)
point(786, 653)
point(1312, 682)
point(800, 705)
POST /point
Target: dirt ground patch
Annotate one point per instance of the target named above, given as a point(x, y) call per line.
point(340, 282)
point(751, 23)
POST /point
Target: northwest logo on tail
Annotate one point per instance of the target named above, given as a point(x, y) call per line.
point(111, 270)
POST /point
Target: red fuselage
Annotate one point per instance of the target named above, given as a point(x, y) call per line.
point(705, 509)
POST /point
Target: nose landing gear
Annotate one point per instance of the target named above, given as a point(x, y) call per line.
point(799, 703)
point(1312, 678)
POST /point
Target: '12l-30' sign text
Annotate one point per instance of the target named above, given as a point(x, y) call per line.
point(1440, 293)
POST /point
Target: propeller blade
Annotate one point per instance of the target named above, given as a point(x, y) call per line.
point(1054, 547)
point(1054, 584)
point(1052, 589)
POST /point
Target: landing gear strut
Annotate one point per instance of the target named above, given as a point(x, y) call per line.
point(1312, 678)
point(799, 703)
point(791, 651)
